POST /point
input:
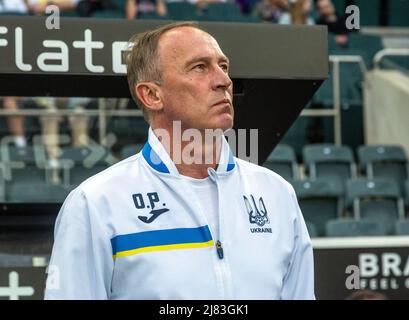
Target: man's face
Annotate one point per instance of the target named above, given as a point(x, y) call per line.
point(196, 88)
point(325, 8)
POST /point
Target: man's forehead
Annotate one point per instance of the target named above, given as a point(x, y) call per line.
point(186, 41)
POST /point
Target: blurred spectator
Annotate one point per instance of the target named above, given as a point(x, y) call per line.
point(299, 13)
point(15, 6)
point(367, 295)
point(85, 8)
point(39, 6)
point(50, 126)
point(15, 123)
point(247, 6)
point(271, 10)
point(336, 24)
point(204, 3)
point(152, 7)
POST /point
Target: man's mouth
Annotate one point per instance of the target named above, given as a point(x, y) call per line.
point(221, 102)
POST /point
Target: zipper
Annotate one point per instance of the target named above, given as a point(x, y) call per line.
point(219, 246)
point(219, 249)
point(222, 263)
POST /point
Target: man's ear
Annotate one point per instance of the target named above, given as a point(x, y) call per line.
point(149, 94)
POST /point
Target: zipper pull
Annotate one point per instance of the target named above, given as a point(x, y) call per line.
point(219, 249)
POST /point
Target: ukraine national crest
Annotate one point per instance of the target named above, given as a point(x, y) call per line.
point(257, 213)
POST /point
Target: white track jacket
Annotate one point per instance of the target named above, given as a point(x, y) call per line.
point(138, 231)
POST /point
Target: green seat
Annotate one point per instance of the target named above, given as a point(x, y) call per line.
point(120, 4)
point(354, 228)
point(384, 161)
point(329, 161)
point(296, 136)
point(375, 199)
point(283, 161)
point(320, 201)
point(150, 16)
point(369, 12)
point(79, 164)
point(339, 6)
point(246, 19)
point(312, 230)
point(402, 227)
point(369, 45)
point(128, 128)
point(130, 150)
point(69, 14)
point(398, 13)
point(350, 77)
point(29, 192)
point(79, 174)
point(221, 12)
point(13, 13)
point(22, 165)
point(108, 14)
point(85, 156)
point(182, 11)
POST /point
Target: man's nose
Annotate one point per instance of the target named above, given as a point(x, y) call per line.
point(222, 79)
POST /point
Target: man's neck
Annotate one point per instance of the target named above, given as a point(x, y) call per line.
point(193, 158)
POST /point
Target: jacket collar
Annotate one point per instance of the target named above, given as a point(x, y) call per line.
point(158, 159)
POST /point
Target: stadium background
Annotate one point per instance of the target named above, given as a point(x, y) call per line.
point(346, 154)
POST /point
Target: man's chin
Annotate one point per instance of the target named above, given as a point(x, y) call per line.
point(226, 123)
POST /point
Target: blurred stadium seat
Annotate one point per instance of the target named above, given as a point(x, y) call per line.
point(354, 228)
point(223, 11)
point(376, 199)
point(182, 11)
point(398, 13)
point(402, 227)
point(111, 14)
point(130, 150)
point(312, 230)
point(22, 165)
point(369, 12)
point(283, 161)
point(384, 161)
point(81, 163)
point(320, 201)
point(329, 161)
point(26, 192)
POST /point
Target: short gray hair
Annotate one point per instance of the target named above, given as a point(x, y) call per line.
point(142, 60)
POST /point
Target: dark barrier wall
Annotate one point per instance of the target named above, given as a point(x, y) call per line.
point(383, 265)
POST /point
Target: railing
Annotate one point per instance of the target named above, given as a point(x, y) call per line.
point(102, 113)
point(388, 52)
point(335, 112)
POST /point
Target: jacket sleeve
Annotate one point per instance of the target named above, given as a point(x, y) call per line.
point(299, 280)
point(81, 262)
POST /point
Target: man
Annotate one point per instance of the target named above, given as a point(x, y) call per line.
point(15, 123)
point(159, 226)
point(336, 24)
point(271, 10)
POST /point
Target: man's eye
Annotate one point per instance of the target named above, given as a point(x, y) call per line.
point(199, 67)
point(225, 67)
